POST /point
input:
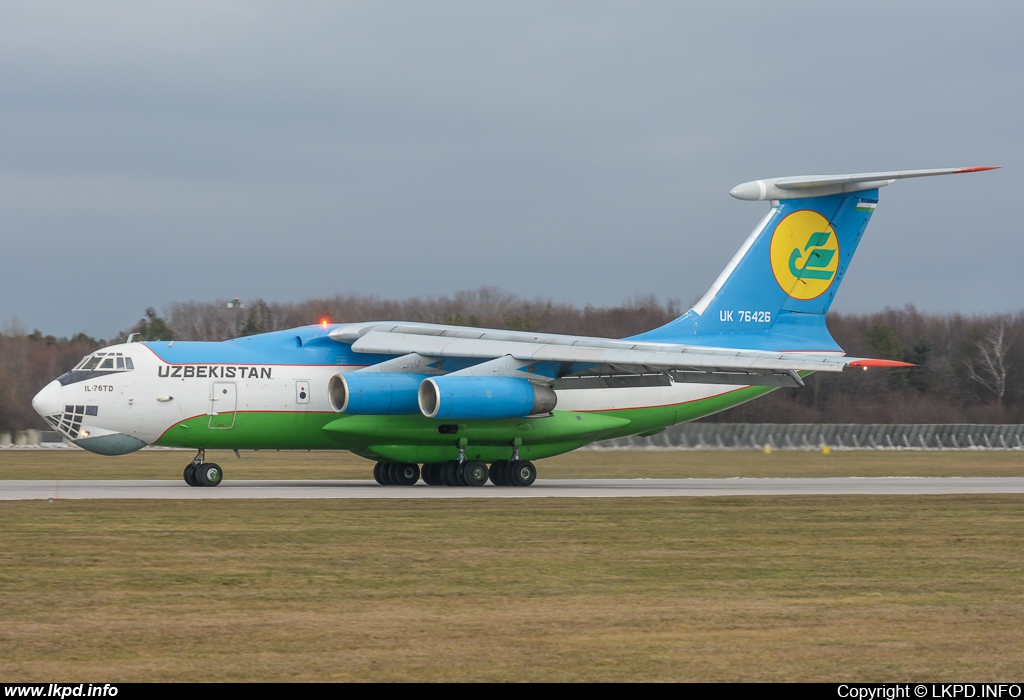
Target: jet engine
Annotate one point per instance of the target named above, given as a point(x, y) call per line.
point(483, 397)
point(374, 393)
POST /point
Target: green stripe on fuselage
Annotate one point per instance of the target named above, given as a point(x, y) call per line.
point(415, 438)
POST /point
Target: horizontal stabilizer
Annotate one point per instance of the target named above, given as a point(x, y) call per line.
point(802, 186)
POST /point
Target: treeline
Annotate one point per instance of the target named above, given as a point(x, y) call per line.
point(970, 368)
point(29, 362)
point(486, 307)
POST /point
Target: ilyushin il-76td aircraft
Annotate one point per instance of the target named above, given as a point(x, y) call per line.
point(473, 405)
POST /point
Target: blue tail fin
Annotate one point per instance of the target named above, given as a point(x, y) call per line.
point(775, 292)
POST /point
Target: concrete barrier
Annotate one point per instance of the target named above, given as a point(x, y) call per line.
point(50, 437)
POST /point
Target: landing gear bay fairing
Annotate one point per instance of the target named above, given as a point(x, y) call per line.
point(473, 405)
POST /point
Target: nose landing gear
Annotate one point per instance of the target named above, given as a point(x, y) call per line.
point(199, 472)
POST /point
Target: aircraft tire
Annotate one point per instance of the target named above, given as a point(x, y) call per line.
point(387, 473)
point(209, 474)
point(505, 474)
point(431, 475)
point(497, 472)
point(456, 473)
point(473, 472)
point(448, 473)
point(376, 473)
point(405, 474)
point(190, 475)
point(523, 473)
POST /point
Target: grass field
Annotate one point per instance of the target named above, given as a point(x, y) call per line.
point(795, 589)
point(168, 464)
point(839, 588)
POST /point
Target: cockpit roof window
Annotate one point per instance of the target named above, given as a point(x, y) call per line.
point(105, 361)
point(91, 363)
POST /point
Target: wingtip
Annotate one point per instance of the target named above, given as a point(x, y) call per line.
point(979, 169)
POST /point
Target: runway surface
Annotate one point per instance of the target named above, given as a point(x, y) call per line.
point(547, 488)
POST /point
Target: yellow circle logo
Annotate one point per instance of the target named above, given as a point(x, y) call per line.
point(805, 254)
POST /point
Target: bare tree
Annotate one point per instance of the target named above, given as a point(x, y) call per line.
point(989, 369)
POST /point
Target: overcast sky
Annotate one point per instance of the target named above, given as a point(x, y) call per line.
point(577, 151)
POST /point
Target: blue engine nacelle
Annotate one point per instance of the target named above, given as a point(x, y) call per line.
point(375, 393)
point(484, 397)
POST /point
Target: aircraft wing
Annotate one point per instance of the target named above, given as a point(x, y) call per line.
point(583, 356)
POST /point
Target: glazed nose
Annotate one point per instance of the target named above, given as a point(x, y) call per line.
point(50, 400)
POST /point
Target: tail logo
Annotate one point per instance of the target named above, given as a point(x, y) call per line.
point(805, 254)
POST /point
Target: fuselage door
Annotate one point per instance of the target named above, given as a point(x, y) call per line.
point(223, 401)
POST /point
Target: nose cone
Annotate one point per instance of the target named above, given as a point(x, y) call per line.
point(50, 400)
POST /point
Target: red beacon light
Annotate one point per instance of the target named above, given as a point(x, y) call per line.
point(323, 322)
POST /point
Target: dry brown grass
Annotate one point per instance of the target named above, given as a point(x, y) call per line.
point(790, 588)
point(168, 464)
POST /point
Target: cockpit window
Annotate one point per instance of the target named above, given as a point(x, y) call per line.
point(105, 361)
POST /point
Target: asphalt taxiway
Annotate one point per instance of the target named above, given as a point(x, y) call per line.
point(543, 488)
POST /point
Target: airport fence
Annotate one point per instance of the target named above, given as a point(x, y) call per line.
point(746, 436)
point(814, 436)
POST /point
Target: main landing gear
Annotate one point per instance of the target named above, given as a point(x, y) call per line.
point(513, 472)
point(396, 473)
point(470, 472)
point(199, 472)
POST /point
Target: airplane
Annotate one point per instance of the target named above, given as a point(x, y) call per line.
point(478, 405)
